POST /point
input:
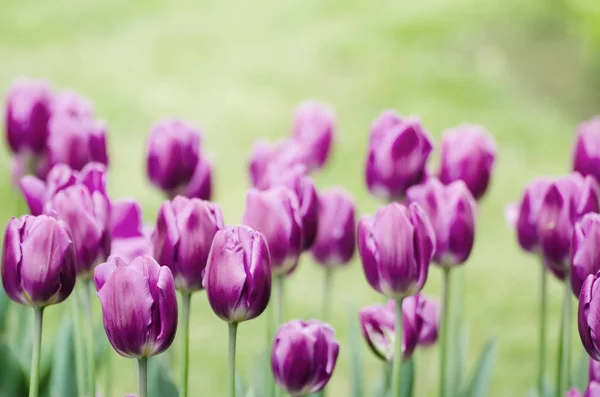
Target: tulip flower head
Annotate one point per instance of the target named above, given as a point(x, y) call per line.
point(429, 311)
point(128, 237)
point(573, 392)
point(237, 278)
point(304, 356)
point(528, 212)
point(396, 246)
point(594, 370)
point(584, 251)
point(589, 310)
point(452, 211)
point(182, 238)
point(38, 261)
point(268, 159)
point(593, 389)
point(314, 127)
point(139, 305)
point(468, 154)
point(586, 152)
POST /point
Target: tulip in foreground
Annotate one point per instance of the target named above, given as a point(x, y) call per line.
point(304, 356)
point(38, 270)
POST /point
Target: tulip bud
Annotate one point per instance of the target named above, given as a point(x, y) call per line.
point(72, 104)
point(139, 305)
point(268, 159)
point(304, 356)
point(584, 256)
point(184, 232)
point(573, 392)
point(396, 246)
point(336, 234)
point(200, 186)
point(38, 261)
point(378, 327)
point(452, 211)
point(276, 214)
point(429, 311)
point(173, 154)
point(586, 151)
point(528, 212)
point(589, 310)
point(397, 155)
point(27, 114)
point(237, 278)
point(468, 154)
point(314, 126)
point(128, 238)
point(594, 370)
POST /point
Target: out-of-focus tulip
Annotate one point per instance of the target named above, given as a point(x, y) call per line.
point(429, 311)
point(397, 154)
point(27, 114)
point(182, 238)
point(139, 305)
point(593, 390)
point(200, 186)
point(527, 212)
point(378, 325)
point(566, 200)
point(452, 211)
point(276, 214)
point(594, 370)
point(586, 152)
point(304, 356)
point(38, 261)
point(267, 159)
point(314, 126)
point(585, 251)
point(128, 238)
point(336, 235)
point(589, 311)
point(573, 392)
point(237, 278)
point(396, 246)
point(72, 104)
point(468, 154)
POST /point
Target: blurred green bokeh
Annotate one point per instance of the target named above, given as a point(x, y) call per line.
point(527, 70)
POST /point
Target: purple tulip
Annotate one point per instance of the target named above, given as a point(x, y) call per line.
point(398, 152)
point(268, 159)
point(573, 392)
point(593, 390)
point(589, 310)
point(584, 252)
point(200, 186)
point(237, 278)
point(527, 214)
point(276, 214)
point(396, 246)
point(38, 261)
point(304, 356)
point(173, 154)
point(27, 113)
point(314, 126)
point(72, 104)
point(378, 327)
point(182, 238)
point(594, 370)
point(336, 236)
point(586, 152)
point(128, 238)
point(452, 211)
point(429, 311)
point(139, 305)
point(468, 154)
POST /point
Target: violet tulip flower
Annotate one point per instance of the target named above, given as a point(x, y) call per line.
point(585, 258)
point(38, 261)
point(528, 212)
point(468, 154)
point(314, 128)
point(396, 246)
point(398, 151)
point(127, 230)
point(429, 311)
point(72, 104)
point(589, 310)
point(593, 389)
point(183, 236)
point(586, 151)
point(452, 212)
point(268, 159)
point(573, 392)
point(304, 356)
point(139, 305)
point(594, 370)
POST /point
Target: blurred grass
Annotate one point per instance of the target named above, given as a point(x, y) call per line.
point(238, 69)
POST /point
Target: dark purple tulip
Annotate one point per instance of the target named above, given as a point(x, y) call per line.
point(586, 152)
point(378, 325)
point(276, 214)
point(594, 370)
point(585, 258)
point(396, 246)
point(38, 261)
point(314, 126)
point(429, 311)
point(589, 312)
point(527, 214)
point(27, 113)
point(128, 238)
point(139, 305)
point(237, 278)
point(173, 154)
point(336, 235)
point(452, 211)
point(182, 238)
point(398, 152)
point(468, 154)
point(573, 392)
point(304, 356)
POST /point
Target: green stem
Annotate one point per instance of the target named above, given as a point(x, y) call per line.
point(79, 344)
point(231, 361)
point(109, 373)
point(143, 377)
point(445, 329)
point(398, 342)
point(278, 301)
point(91, 347)
point(327, 290)
point(269, 381)
point(564, 353)
point(542, 330)
point(185, 341)
point(34, 380)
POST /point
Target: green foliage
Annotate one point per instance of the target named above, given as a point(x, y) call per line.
point(160, 382)
point(482, 374)
point(63, 382)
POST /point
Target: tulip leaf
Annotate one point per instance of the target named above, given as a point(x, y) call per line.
point(356, 346)
point(239, 385)
point(460, 353)
point(408, 377)
point(261, 376)
point(160, 383)
point(13, 380)
point(482, 376)
point(4, 306)
point(62, 381)
point(579, 377)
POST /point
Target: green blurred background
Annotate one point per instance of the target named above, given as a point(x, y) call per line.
point(527, 70)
